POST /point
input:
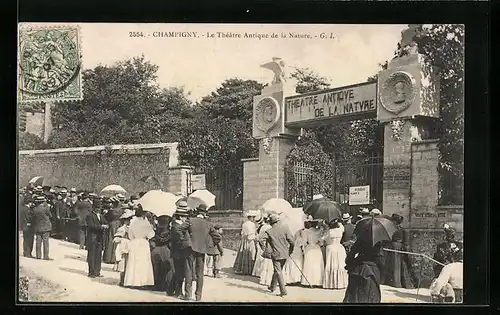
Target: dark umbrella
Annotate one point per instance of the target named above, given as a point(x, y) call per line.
point(372, 230)
point(324, 209)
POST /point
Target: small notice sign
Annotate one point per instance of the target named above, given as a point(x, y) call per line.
point(198, 181)
point(359, 195)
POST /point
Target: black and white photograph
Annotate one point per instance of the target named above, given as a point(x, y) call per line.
point(240, 163)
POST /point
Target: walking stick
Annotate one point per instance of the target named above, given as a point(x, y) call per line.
point(300, 270)
point(416, 254)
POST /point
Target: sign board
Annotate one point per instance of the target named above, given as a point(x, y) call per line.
point(198, 181)
point(359, 195)
point(348, 102)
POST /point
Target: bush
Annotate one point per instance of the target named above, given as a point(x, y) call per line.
point(29, 141)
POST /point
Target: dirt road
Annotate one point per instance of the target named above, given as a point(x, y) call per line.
point(69, 270)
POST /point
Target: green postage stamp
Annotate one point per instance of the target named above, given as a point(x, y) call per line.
point(49, 64)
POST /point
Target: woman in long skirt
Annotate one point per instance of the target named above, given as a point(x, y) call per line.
point(363, 263)
point(259, 259)
point(335, 272)
point(112, 216)
point(139, 270)
point(314, 268)
point(291, 272)
point(397, 270)
point(161, 258)
point(245, 258)
point(266, 266)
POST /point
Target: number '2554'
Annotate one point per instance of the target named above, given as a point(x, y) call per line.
point(135, 34)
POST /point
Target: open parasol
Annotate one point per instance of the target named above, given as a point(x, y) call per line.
point(324, 209)
point(113, 190)
point(276, 205)
point(36, 181)
point(158, 202)
point(375, 229)
point(201, 196)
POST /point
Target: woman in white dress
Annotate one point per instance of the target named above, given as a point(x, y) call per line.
point(139, 268)
point(314, 268)
point(291, 272)
point(335, 272)
point(266, 267)
point(245, 258)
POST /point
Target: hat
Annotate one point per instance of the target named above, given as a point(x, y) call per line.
point(84, 195)
point(120, 196)
point(346, 216)
point(134, 197)
point(375, 212)
point(127, 214)
point(252, 213)
point(202, 207)
point(73, 190)
point(93, 195)
point(125, 206)
point(217, 226)
point(364, 211)
point(39, 198)
point(396, 218)
point(273, 218)
point(52, 191)
point(182, 208)
point(63, 191)
point(38, 188)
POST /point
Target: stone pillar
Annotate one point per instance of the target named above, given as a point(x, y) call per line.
point(178, 180)
point(47, 121)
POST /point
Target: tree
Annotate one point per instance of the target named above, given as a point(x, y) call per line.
point(445, 46)
point(233, 100)
point(29, 141)
point(122, 104)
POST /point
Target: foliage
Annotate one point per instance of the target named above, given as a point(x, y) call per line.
point(122, 104)
point(444, 44)
point(308, 81)
point(29, 141)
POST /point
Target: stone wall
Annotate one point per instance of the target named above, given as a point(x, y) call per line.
point(230, 221)
point(35, 124)
point(93, 168)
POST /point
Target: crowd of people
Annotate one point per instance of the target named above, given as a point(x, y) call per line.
point(162, 253)
point(170, 253)
point(330, 256)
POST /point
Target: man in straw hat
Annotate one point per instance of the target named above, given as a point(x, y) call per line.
point(348, 237)
point(281, 243)
point(180, 242)
point(42, 227)
point(96, 225)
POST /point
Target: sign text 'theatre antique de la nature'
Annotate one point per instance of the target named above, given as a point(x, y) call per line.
point(351, 102)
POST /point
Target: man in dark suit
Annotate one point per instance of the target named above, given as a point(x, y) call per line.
point(202, 234)
point(41, 227)
point(348, 238)
point(281, 244)
point(83, 208)
point(26, 214)
point(179, 243)
point(95, 227)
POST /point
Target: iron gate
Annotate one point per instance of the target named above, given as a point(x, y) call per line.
point(298, 184)
point(367, 171)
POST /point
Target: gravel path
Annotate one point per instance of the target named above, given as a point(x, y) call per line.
point(69, 270)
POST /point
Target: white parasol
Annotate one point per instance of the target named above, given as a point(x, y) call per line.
point(201, 196)
point(159, 202)
point(36, 181)
point(113, 190)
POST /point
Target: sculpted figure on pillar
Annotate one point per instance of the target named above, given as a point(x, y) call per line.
point(278, 67)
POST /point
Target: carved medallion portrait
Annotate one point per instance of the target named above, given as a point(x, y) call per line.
point(397, 92)
point(267, 113)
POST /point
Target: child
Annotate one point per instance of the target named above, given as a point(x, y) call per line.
point(213, 261)
point(121, 239)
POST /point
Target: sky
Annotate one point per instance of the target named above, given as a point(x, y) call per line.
point(201, 64)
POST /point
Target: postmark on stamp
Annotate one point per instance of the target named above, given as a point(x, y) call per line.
point(49, 64)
